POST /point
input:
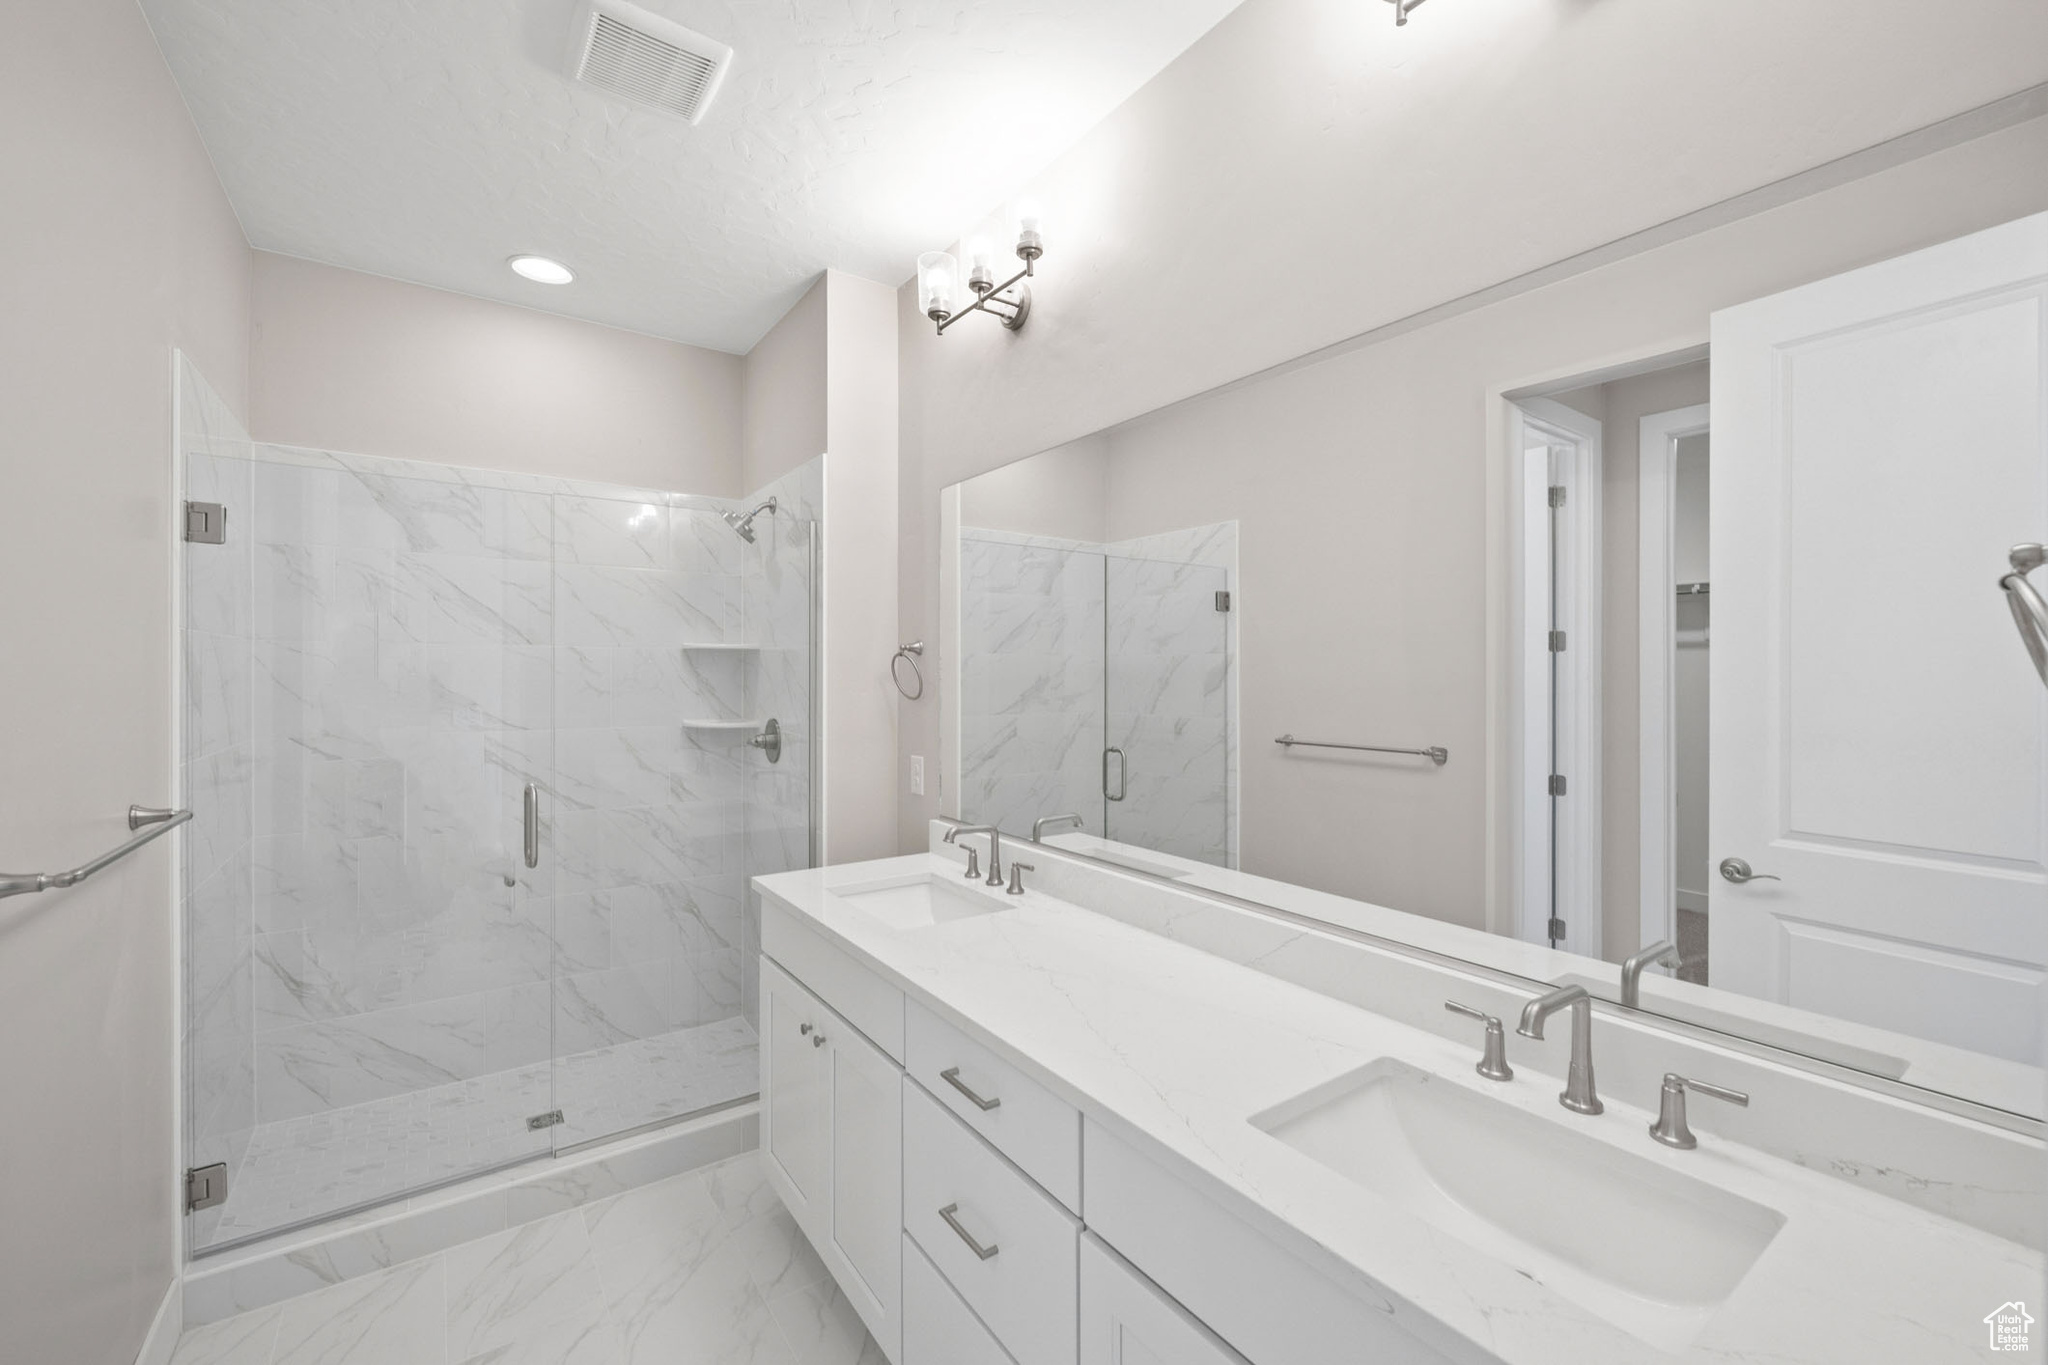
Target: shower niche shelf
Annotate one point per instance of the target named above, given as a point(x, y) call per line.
point(723, 724)
point(717, 648)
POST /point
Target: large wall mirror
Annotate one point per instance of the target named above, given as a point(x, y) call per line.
point(1697, 663)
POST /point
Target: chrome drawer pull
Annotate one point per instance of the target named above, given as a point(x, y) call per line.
point(951, 1076)
point(954, 1223)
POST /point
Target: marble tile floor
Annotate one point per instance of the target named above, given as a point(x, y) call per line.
point(307, 1167)
point(705, 1268)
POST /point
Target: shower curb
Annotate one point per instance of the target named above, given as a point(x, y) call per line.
point(286, 1266)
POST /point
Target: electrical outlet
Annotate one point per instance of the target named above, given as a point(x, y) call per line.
point(917, 774)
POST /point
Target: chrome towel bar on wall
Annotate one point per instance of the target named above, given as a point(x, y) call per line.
point(1433, 753)
point(160, 821)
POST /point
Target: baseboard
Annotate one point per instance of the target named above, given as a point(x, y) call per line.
point(165, 1328)
point(283, 1267)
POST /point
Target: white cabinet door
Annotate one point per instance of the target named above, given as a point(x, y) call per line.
point(867, 1179)
point(796, 1099)
point(1877, 736)
point(1126, 1321)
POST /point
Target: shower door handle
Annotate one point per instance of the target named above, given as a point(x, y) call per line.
point(532, 823)
point(1123, 774)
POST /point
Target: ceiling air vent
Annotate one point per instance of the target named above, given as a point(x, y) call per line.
point(623, 49)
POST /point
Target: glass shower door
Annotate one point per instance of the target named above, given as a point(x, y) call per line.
point(379, 1018)
point(1166, 780)
point(648, 821)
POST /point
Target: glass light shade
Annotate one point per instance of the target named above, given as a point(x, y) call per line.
point(1030, 219)
point(981, 261)
point(938, 275)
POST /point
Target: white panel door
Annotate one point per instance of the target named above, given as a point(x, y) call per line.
point(867, 1180)
point(1879, 742)
point(796, 1113)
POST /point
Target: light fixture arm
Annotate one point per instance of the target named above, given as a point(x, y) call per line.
point(1401, 10)
point(987, 300)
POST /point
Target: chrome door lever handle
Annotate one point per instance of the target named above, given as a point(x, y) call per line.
point(1738, 871)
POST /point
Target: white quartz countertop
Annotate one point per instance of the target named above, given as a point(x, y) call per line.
point(1172, 1050)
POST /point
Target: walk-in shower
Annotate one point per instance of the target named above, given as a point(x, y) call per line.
point(385, 993)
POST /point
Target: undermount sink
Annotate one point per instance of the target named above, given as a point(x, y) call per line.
point(918, 901)
point(1653, 1252)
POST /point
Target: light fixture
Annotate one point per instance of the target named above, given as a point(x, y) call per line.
point(1401, 9)
point(541, 270)
point(938, 276)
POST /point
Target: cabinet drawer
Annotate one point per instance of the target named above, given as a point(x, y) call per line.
point(938, 1329)
point(1125, 1320)
point(1026, 1122)
point(1021, 1274)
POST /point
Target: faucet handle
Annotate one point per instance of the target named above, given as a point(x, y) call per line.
point(1494, 1065)
point(1671, 1128)
point(1017, 871)
point(973, 863)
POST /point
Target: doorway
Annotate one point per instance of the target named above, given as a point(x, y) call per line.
point(1597, 658)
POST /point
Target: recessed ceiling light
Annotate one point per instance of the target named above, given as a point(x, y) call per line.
point(541, 270)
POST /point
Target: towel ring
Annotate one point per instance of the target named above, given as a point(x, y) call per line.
point(906, 654)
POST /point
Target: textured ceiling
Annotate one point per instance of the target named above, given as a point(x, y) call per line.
point(430, 139)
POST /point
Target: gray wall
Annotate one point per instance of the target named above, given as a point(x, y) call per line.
point(359, 363)
point(124, 247)
point(783, 402)
point(1467, 150)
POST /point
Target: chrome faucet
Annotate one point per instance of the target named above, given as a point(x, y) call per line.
point(995, 848)
point(1662, 953)
point(1038, 825)
point(1578, 1095)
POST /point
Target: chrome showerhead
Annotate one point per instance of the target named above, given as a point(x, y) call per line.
point(745, 524)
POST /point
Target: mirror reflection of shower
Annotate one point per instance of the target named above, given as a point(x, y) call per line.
point(745, 524)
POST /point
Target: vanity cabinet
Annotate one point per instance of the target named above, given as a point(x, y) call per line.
point(1125, 1320)
point(832, 1145)
point(1006, 1246)
point(972, 1216)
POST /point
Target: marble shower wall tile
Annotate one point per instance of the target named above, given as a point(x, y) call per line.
point(1070, 648)
point(386, 654)
point(1031, 695)
point(1169, 653)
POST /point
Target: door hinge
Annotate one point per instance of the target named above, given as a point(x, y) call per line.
point(1223, 601)
point(206, 523)
point(1555, 929)
point(1557, 642)
point(547, 1120)
point(206, 1186)
point(1557, 784)
point(1557, 495)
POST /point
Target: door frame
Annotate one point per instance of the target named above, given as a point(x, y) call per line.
point(1527, 749)
point(1657, 612)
